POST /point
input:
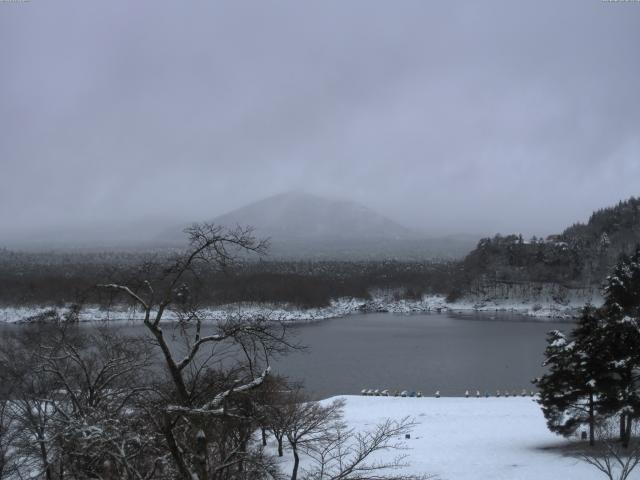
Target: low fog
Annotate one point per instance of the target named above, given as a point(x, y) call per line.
point(446, 117)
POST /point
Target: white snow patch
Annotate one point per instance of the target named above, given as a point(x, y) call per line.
point(471, 439)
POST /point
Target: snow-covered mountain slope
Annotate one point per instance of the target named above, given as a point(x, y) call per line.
point(297, 215)
point(305, 226)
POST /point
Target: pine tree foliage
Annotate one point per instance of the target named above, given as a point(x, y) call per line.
point(622, 291)
point(620, 394)
point(594, 373)
point(568, 389)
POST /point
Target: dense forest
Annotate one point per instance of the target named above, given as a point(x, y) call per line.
point(581, 255)
point(578, 257)
point(55, 278)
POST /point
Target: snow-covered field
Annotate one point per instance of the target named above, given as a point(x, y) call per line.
point(474, 438)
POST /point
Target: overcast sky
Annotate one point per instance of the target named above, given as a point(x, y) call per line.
point(461, 116)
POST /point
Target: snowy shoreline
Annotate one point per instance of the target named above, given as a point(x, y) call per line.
point(337, 309)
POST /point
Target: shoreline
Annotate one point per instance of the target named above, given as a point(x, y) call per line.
point(337, 309)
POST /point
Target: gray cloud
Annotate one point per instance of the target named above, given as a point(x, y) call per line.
point(447, 116)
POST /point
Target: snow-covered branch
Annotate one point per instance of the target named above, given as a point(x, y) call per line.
point(128, 291)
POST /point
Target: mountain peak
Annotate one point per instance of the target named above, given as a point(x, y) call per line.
point(297, 215)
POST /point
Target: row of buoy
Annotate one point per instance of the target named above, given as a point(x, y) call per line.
point(467, 394)
point(389, 393)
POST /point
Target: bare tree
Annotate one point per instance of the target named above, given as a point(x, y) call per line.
point(193, 405)
point(101, 378)
point(344, 454)
point(308, 424)
point(334, 452)
point(29, 401)
point(9, 459)
point(71, 403)
point(272, 395)
point(277, 420)
point(612, 457)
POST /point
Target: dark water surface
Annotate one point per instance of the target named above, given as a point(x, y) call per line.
point(445, 352)
point(427, 352)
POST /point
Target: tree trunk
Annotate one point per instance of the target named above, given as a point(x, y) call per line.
point(296, 463)
point(243, 452)
point(107, 470)
point(174, 371)
point(201, 455)
point(627, 432)
point(175, 450)
point(264, 437)
point(622, 427)
point(45, 459)
point(280, 452)
point(591, 421)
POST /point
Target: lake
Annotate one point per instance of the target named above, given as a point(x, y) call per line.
point(427, 352)
point(450, 353)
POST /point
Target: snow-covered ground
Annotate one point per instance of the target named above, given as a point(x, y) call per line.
point(287, 313)
point(437, 303)
point(534, 307)
point(474, 438)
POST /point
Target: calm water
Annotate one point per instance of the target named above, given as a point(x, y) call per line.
point(420, 352)
point(427, 352)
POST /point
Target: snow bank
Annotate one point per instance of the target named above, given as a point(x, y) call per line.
point(471, 439)
point(436, 303)
point(287, 313)
point(380, 303)
point(532, 299)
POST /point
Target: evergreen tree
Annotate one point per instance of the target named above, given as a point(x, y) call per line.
point(622, 291)
point(568, 391)
point(620, 349)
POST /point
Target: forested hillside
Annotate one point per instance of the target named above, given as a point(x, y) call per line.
point(580, 256)
point(609, 233)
